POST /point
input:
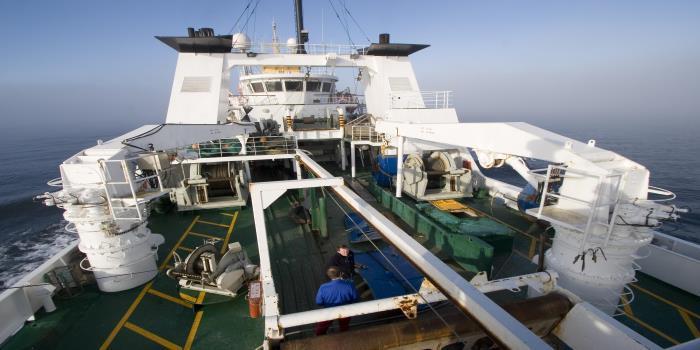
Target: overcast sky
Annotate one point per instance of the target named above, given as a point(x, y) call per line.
point(68, 65)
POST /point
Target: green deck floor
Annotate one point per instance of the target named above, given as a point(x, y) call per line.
point(139, 319)
point(86, 321)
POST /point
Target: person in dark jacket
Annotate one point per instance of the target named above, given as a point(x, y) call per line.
point(334, 293)
point(299, 214)
point(344, 259)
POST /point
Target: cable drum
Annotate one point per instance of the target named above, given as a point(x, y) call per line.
point(220, 179)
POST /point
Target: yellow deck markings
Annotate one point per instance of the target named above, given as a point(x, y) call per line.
point(680, 308)
point(626, 305)
point(204, 235)
point(212, 223)
point(126, 316)
point(649, 327)
point(123, 322)
point(690, 323)
point(169, 298)
point(195, 324)
point(143, 292)
point(188, 298)
point(179, 242)
point(152, 337)
point(228, 232)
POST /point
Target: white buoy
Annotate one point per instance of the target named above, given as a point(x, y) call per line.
point(240, 42)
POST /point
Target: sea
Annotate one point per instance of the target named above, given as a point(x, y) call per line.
point(30, 232)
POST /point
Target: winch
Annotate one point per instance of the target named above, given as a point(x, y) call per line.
point(204, 269)
point(434, 175)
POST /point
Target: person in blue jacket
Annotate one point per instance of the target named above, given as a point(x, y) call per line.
point(336, 292)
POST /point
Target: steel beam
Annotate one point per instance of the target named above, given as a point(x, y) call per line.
point(373, 306)
point(499, 324)
point(262, 194)
point(399, 166)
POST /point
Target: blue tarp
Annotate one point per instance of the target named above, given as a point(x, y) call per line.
point(355, 234)
point(382, 278)
point(386, 169)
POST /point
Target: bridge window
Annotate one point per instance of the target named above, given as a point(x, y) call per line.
point(257, 87)
point(326, 87)
point(313, 86)
point(273, 86)
point(293, 85)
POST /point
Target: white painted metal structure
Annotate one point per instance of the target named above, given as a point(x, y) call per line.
point(107, 204)
point(18, 304)
point(684, 256)
point(506, 329)
point(599, 186)
point(198, 95)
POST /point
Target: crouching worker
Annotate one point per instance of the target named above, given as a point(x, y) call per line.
point(299, 214)
point(334, 293)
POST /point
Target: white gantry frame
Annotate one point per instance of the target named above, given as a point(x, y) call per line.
point(495, 321)
point(263, 194)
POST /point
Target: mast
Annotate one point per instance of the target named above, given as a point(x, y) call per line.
point(302, 35)
point(275, 40)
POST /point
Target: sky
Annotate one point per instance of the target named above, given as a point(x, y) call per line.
point(72, 65)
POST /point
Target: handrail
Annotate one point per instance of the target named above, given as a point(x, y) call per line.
point(259, 145)
point(422, 100)
point(267, 99)
point(662, 192)
point(311, 49)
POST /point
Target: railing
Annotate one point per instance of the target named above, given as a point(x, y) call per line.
point(253, 100)
point(263, 145)
point(313, 49)
point(422, 100)
point(342, 98)
point(362, 129)
point(556, 173)
point(316, 99)
point(125, 188)
point(364, 133)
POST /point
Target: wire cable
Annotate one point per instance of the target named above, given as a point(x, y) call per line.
point(355, 21)
point(96, 278)
point(454, 332)
point(250, 2)
point(343, 24)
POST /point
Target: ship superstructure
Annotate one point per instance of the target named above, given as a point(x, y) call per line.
point(439, 266)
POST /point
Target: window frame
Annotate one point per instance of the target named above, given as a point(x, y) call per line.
point(320, 84)
point(252, 87)
point(267, 87)
point(329, 84)
point(300, 82)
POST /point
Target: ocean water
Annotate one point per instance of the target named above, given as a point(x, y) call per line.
point(30, 233)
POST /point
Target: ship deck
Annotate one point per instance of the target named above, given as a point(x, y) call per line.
point(154, 316)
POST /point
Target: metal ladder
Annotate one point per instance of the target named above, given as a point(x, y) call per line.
point(133, 202)
point(554, 172)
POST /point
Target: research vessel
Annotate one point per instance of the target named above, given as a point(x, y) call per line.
point(188, 238)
